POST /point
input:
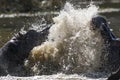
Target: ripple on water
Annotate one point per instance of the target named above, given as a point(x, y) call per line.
point(59, 76)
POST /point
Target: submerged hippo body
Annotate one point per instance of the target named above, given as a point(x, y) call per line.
point(15, 51)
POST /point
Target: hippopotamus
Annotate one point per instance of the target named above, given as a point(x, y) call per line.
point(114, 46)
point(15, 51)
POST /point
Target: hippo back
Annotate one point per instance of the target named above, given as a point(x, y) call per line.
point(15, 51)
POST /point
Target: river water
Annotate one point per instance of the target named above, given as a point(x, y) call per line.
point(10, 24)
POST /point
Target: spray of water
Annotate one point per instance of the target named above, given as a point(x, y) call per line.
point(71, 44)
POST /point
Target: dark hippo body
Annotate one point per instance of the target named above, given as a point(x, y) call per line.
point(15, 51)
point(113, 46)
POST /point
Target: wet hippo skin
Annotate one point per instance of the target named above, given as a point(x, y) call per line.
point(114, 45)
point(15, 51)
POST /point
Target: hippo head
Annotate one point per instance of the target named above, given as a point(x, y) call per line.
point(101, 24)
point(111, 43)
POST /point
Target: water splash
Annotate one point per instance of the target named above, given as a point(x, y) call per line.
point(71, 44)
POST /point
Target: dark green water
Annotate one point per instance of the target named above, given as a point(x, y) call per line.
point(11, 25)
